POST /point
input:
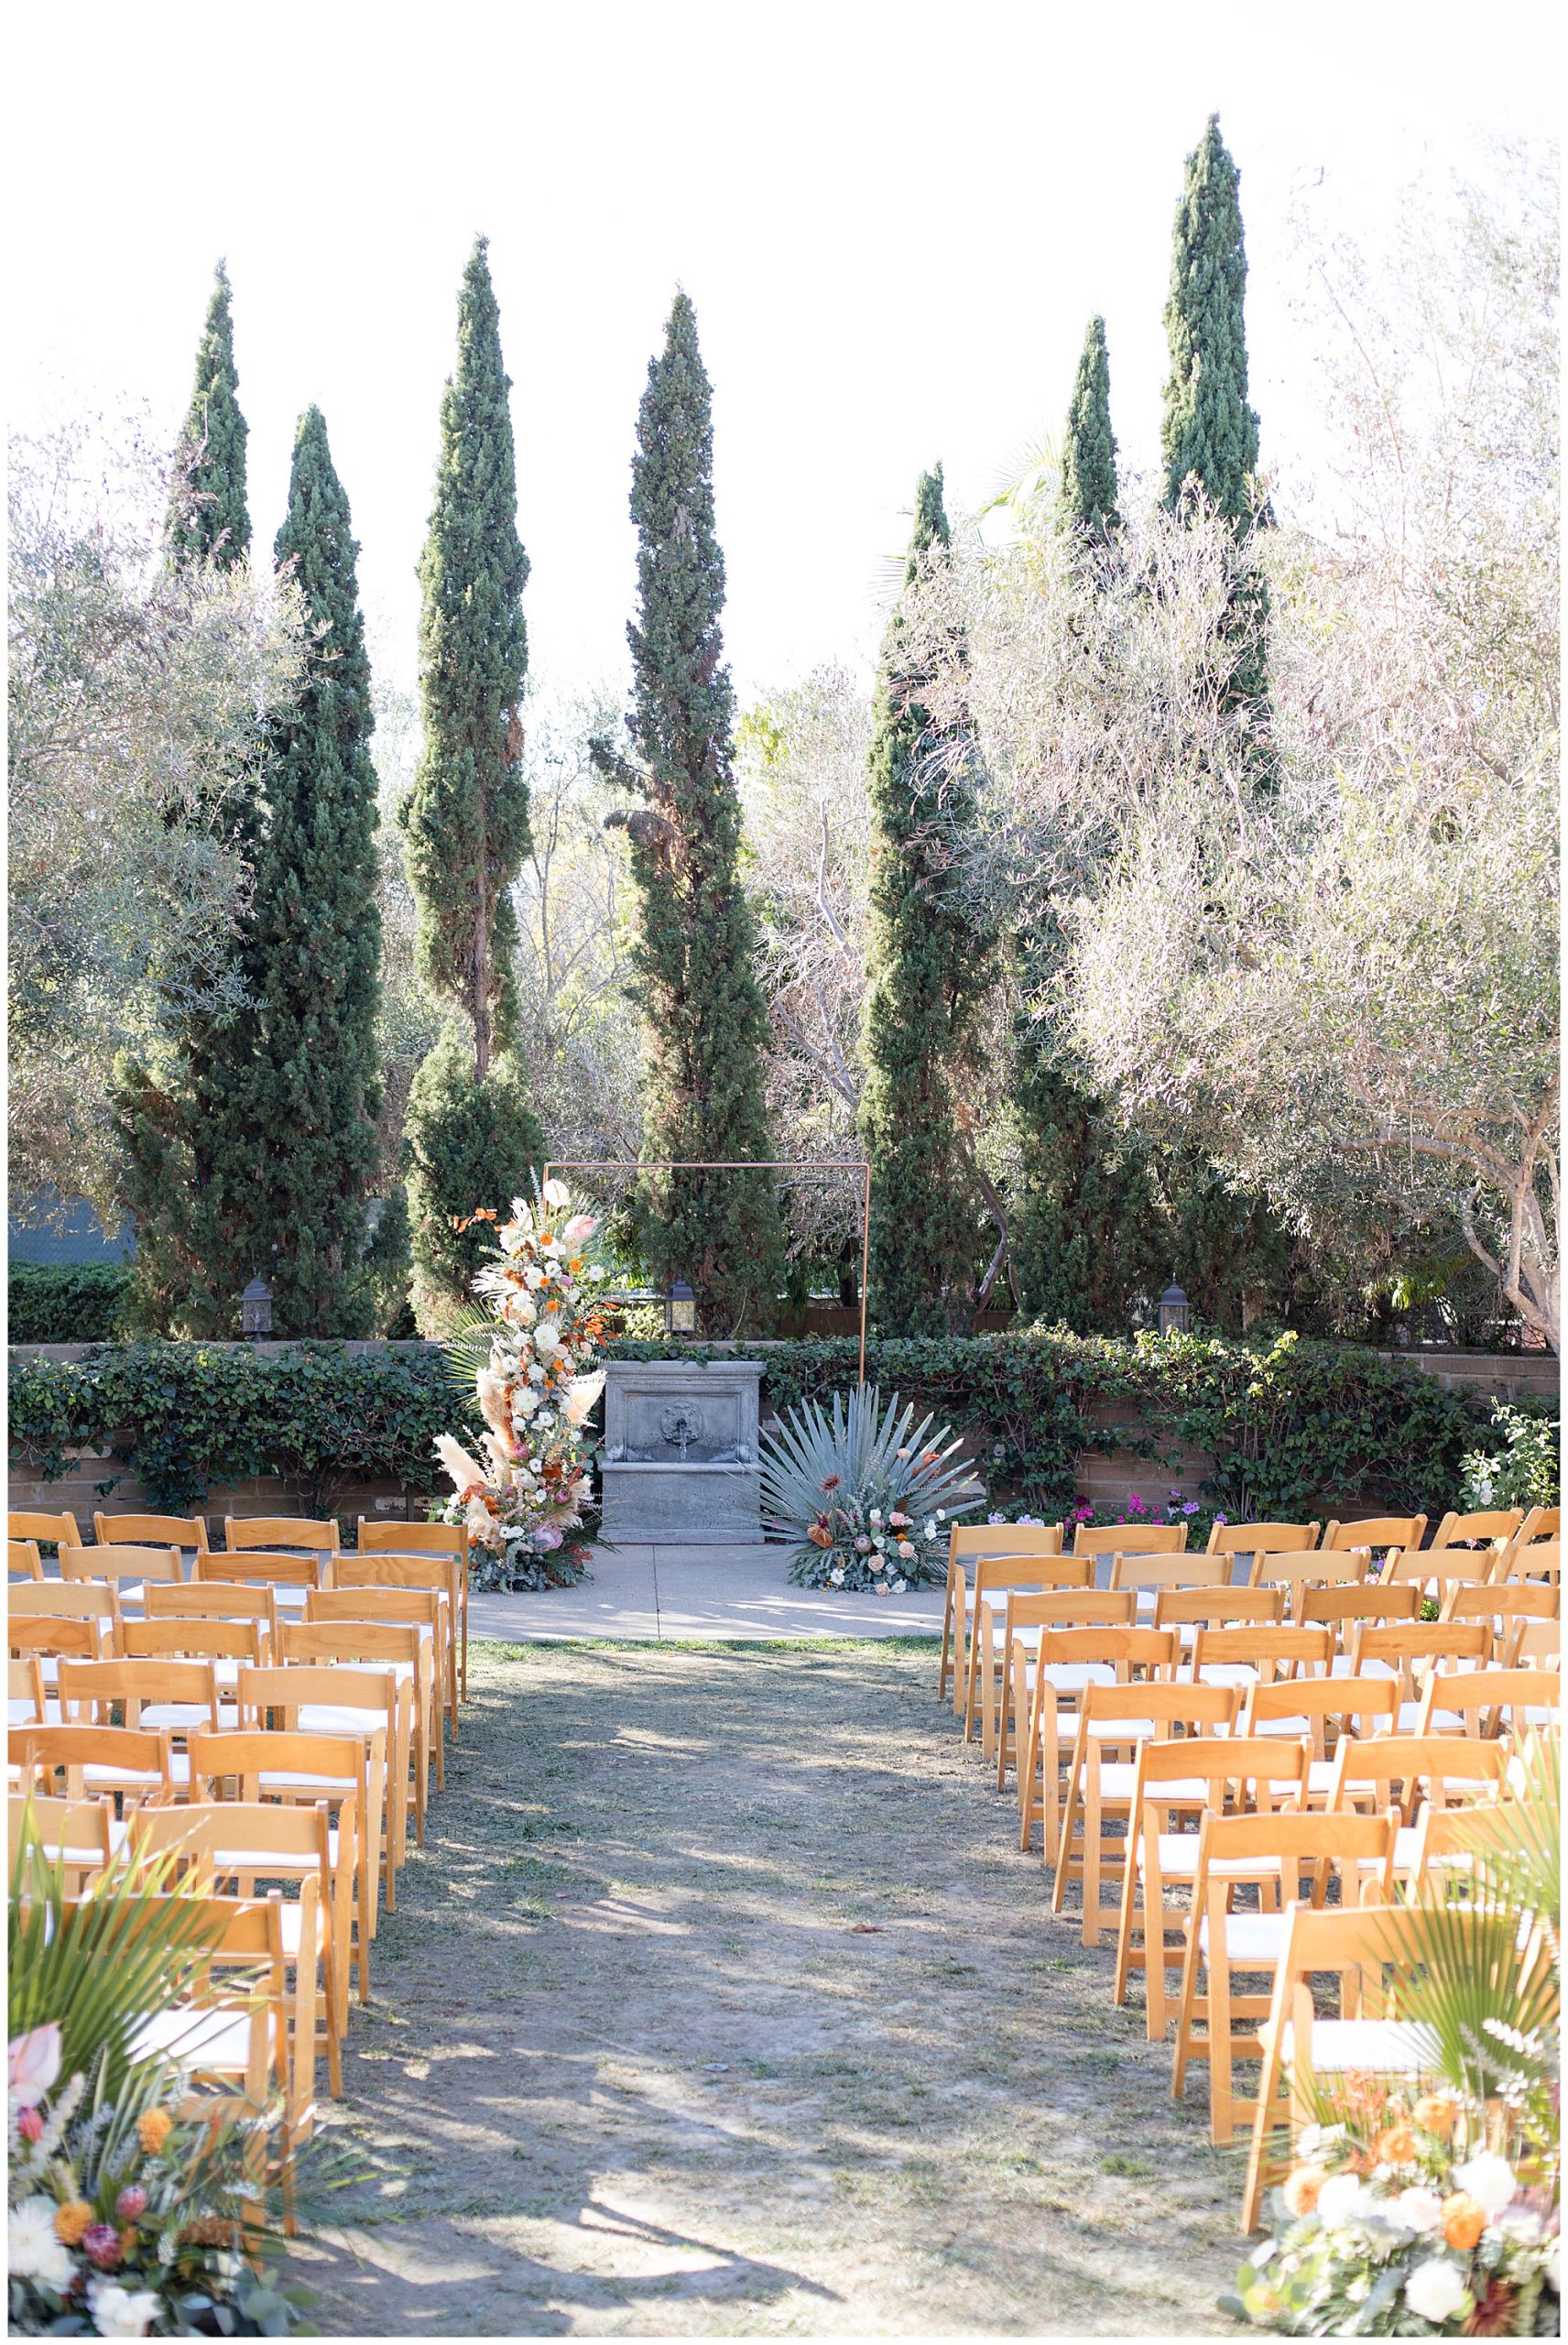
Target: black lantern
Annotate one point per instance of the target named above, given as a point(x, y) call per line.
point(255, 1311)
point(1175, 1312)
point(680, 1310)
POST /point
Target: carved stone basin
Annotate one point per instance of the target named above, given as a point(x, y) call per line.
point(681, 1452)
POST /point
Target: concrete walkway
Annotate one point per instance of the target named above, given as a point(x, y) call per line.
point(669, 1595)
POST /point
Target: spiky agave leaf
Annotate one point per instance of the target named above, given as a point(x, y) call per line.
point(860, 1443)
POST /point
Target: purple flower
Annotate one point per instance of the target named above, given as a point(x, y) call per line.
point(101, 2243)
point(1220, 1519)
point(995, 1518)
point(1191, 1507)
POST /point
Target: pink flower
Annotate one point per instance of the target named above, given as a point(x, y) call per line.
point(579, 1228)
point(131, 2204)
point(101, 2242)
point(32, 2064)
point(29, 2124)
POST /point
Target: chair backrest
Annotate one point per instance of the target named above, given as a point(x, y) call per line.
point(1377, 1531)
point(993, 1540)
point(1537, 1644)
point(1121, 1649)
point(285, 1689)
point(1178, 1570)
point(993, 1573)
point(264, 1569)
point(1446, 1566)
point(78, 1832)
point(25, 1685)
point(136, 1751)
point(1372, 1602)
point(1314, 1568)
point(195, 1640)
point(211, 1599)
point(98, 1685)
point(244, 1534)
point(1541, 1559)
point(1218, 1606)
point(1400, 1645)
point(1260, 1539)
point(23, 1560)
point(55, 1634)
point(335, 1764)
point(1266, 1646)
point(1509, 1600)
point(1361, 1848)
point(1072, 1607)
point(347, 1641)
point(394, 1571)
point(1210, 1710)
point(65, 1600)
point(1481, 1697)
point(151, 1531)
point(1130, 1538)
point(372, 1603)
point(1445, 1763)
point(225, 1838)
point(48, 1530)
point(377, 1538)
point(1273, 1765)
point(119, 1563)
point(1372, 1702)
point(1493, 1529)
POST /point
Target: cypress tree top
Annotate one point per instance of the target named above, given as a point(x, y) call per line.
point(1089, 450)
point(467, 815)
point(207, 515)
point(1208, 429)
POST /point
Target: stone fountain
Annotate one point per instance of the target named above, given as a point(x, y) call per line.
point(680, 1465)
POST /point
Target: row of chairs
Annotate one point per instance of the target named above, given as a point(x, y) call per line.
point(1182, 1746)
point(278, 1726)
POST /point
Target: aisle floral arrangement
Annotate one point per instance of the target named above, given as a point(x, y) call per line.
point(859, 1489)
point(529, 1356)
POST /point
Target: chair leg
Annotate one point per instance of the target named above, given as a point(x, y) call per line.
point(1186, 2044)
point(1124, 1932)
point(944, 1667)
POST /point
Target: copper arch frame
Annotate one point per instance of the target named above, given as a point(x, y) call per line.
point(742, 1164)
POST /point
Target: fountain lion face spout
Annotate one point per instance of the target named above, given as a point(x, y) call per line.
point(680, 1443)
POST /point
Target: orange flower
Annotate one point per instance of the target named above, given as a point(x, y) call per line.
point(71, 2220)
point(154, 2127)
point(1434, 2113)
point(1302, 2188)
point(127, 2240)
point(819, 1537)
point(1464, 2221)
point(1397, 2145)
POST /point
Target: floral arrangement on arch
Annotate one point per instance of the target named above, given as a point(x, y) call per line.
point(528, 1357)
point(858, 1490)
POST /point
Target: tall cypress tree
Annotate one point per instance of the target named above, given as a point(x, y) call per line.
point(1089, 449)
point(208, 517)
point(693, 963)
point(465, 820)
point(466, 817)
point(1209, 432)
point(928, 964)
point(312, 1082)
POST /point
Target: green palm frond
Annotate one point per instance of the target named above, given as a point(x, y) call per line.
point(466, 1347)
point(100, 1964)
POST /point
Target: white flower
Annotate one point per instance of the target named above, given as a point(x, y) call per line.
point(1435, 2290)
point(525, 1401)
point(547, 1337)
point(837, 1576)
point(1551, 2263)
point(930, 1531)
point(1488, 2178)
point(533, 1276)
point(32, 2251)
point(1340, 2202)
point(1418, 2208)
point(32, 2065)
point(556, 1192)
point(906, 1549)
point(941, 1514)
point(117, 2313)
point(1312, 2140)
point(900, 1586)
point(535, 1373)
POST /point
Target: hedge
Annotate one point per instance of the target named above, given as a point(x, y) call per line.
point(1293, 1427)
point(66, 1303)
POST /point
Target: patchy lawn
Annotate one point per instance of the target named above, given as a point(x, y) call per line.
point(721, 2002)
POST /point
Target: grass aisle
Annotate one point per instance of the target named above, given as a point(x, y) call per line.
point(722, 2000)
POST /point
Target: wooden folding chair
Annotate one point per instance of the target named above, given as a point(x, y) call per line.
point(1399, 1648)
point(178, 1697)
point(295, 1769)
point(214, 1599)
point(1049, 1691)
point(1100, 1784)
point(1223, 1943)
point(45, 1530)
point(1502, 1605)
point(967, 1544)
point(1294, 1574)
point(1185, 1611)
point(1298, 1706)
point(1384, 1771)
point(1492, 1529)
point(1007, 1710)
point(1149, 1576)
point(1263, 1650)
point(80, 1836)
point(990, 1622)
point(1531, 1561)
point(400, 1588)
point(1435, 1570)
point(50, 1637)
point(1490, 1701)
point(1198, 1774)
point(448, 1539)
point(23, 1560)
point(1261, 1541)
point(408, 1652)
point(247, 1842)
point(97, 1759)
point(152, 1531)
point(1378, 1532)
point(129, 1570)
point(310, 1694)
point(226, 1644)
point(268, 1540)
point(1359, 1944)
point(992, 1577)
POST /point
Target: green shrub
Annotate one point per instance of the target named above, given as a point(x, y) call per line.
point(66, 1303)
point(1292, 1428)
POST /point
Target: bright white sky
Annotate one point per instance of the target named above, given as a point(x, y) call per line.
point(894, 220)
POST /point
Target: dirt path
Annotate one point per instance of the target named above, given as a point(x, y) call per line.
point(721, 2002)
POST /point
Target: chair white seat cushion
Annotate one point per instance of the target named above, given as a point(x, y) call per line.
point(1072, 1676)
point(283, 1782)
point(1407, 1840)
point(218, 2041)
point(1344, 1665)
point(1178, 1860)
point(335, 1717)
point(181, 1717)
point(1117, 1780)
point(1378, 2047)
point(1250, 1937)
